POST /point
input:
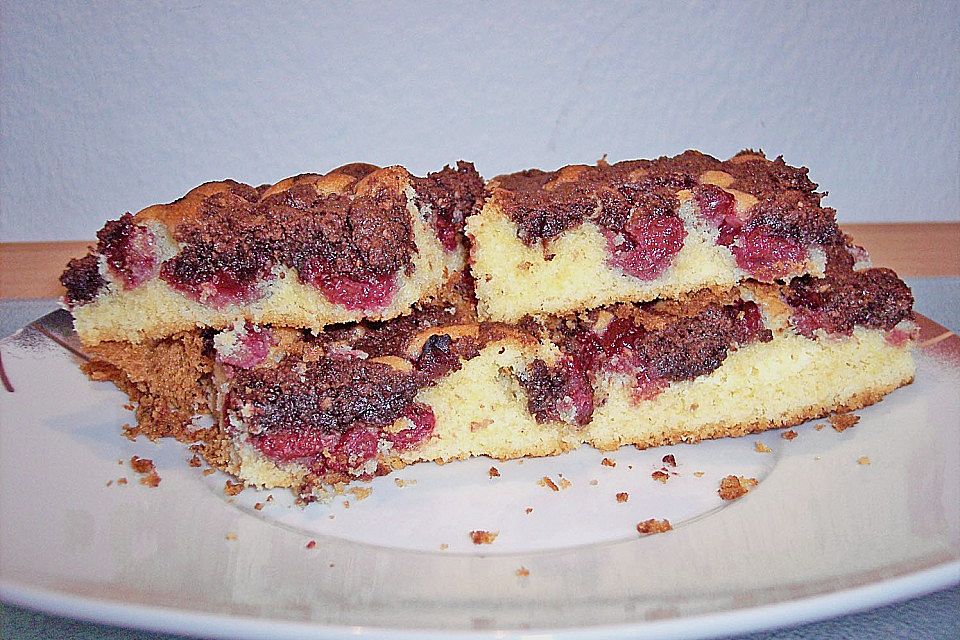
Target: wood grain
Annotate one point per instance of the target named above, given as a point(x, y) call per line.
point(32, 269)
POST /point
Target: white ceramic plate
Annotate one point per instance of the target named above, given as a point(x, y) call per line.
point(819, 536)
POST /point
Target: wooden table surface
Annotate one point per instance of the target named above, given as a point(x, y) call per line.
point(32, 269)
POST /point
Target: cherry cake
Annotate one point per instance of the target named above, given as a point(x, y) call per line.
point(324, 329)
point(312, 250)
point(585, 236)
point(309, 411)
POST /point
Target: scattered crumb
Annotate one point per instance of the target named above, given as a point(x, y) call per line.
point(607, 462)
point(231, 536)
point(232, 488)
point(331, 516)
point(312, 544)
point(258, 506)
point(523, 572)
point(346, 504)
point(594, 482)
point(147, 470)
point(660, 476)
point(121, 481)
point(120, 462)
point(528, 510)
point(547, 482)
point(444, 546)
point(564, 483)
point(653, 525)
point(270, 498)
point(863, 460)
point(789, 434)
point(733, 487)
point(400, 482)
point(843, 421)
point(483, 537)
point(209, 472)
point(629, 466)
point(141, 465)
point(623, 496)
point(151, 480)
point(493, 472)
point(819, 427)
point(477, 425)
point(194, 461)
point(332, 565)
point(360, 493)
point(129, 406)
point(759, 447)
point(669, 460)
point(698, 474)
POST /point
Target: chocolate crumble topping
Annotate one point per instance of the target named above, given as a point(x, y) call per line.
point(82, 279)
point(545, 204)
point(452, 195)
point(874, 298)
point(668, 349)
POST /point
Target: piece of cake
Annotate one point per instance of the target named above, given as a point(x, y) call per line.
point(305, 411)
point(327, 328)
point(309, 251)
point(586, 236)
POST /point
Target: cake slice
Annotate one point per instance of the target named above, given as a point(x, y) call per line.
point(304, 411)
point(312, 250)
point(587, 236)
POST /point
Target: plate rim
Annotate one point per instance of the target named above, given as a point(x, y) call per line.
point(753, 619)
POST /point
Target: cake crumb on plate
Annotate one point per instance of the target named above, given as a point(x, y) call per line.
point(483, 537)
point(651, 526)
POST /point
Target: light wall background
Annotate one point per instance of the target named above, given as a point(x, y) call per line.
point(110, 106)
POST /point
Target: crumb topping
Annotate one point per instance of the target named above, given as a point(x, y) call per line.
point(873, 298)
point(783, 201)
point(450, 195)
point(82, 279)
